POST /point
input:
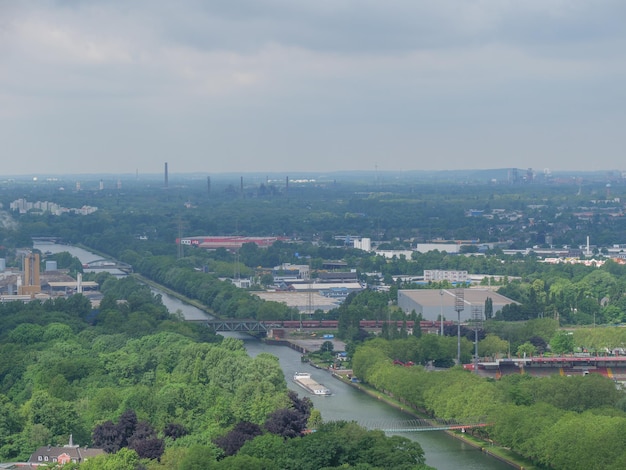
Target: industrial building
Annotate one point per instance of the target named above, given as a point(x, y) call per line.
point(390, 254)
point(364, 244)
point(334, 277)
point(288, 272)
point(30, 284)
point(438, 275)
point(431, 303)
point(229, 243)
point(305, 301)
point(447, 247)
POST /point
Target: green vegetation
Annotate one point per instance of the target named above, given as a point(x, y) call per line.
point(139, 225)
point(62, 376)
point(156, 392)
point(59, 358)
point(559, 422)
point(324, 356)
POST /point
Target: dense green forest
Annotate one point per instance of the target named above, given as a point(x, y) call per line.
point(156, 392)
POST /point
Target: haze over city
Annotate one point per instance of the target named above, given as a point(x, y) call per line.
point(276, 85)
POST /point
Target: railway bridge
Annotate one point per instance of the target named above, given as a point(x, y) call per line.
point(247, 326)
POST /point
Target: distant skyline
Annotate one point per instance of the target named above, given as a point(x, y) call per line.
point(117, 87)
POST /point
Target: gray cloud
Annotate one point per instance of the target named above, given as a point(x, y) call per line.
point(268, 85)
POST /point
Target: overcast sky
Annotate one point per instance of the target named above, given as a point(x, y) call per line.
point(89, 86)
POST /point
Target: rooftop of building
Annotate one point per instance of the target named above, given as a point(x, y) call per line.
point(473, 296)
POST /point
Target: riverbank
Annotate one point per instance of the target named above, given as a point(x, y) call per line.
point(347, 403)
point(199, 305)
point(500, 453)
point(302, 345)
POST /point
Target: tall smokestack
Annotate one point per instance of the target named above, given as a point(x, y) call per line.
point(166, 176)
point(286, 183)
point(241, 185)
point(208, 184)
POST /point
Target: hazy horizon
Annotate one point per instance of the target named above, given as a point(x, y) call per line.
point(489, 175)
point(113, 87)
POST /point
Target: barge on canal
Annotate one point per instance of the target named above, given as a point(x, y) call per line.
point(306, 382)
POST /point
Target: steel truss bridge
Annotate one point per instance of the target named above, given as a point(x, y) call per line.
point(247, 326)
point(419, 425)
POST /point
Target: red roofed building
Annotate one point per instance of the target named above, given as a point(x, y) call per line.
point(61, 455)
point(229, 243)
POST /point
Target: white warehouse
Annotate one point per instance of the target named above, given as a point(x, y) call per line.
point(432, 302)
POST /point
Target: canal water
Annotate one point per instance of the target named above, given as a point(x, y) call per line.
point(346, 403)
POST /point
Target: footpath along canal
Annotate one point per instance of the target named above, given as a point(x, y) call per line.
point(346, 403)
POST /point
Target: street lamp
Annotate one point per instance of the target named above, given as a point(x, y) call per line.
point(477, 318)
point(441, 312)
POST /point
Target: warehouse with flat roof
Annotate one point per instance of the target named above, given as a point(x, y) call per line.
point(431, 303)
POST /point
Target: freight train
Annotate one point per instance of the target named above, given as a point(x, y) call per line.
point(424, 324)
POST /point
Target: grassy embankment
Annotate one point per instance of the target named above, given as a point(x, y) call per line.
point(500, 453)
point(187, 300)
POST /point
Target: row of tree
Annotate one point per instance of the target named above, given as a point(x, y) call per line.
point(560, 422)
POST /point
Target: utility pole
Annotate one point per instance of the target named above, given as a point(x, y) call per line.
point(459, 306)
point(477, 324)
point(441, 311)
